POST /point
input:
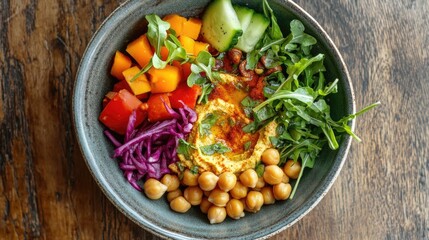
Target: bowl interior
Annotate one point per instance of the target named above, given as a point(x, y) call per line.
point(93, 81)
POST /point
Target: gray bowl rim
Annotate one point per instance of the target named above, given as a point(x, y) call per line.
point(303, 210)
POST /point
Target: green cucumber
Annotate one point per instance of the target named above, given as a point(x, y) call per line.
point(221, 27)
point(244, 15)
point(253, 33)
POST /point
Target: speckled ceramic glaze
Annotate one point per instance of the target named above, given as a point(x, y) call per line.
point(93, 81)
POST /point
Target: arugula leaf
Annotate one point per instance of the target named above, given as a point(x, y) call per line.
point(143, 70)
point(274, 30)
point(298, 36)
point(304, 94)
point(207, 88)
point(248, 104)
point(215, 148)
point(157, 62)
point(296, 98)
point(156, 32)
point(175, 50)
point(204, 62)
point(207, 123)
point(296, 69)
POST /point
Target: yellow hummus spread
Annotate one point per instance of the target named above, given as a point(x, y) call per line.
point(219, 141)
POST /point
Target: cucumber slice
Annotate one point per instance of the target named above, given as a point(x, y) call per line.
point(253, 33)
point(244, 15)
point(221, 27)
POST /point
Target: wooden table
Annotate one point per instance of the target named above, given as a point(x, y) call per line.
point(46, 191)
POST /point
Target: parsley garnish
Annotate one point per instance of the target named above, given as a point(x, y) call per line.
point(207, 123)
point(214, 148)
point(185, 148)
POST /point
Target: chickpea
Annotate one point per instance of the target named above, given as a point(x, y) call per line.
point(154, 189)
point(249, 178)
point(238, 191)
point(267, 193)
point(193, 195)
point(190, 179)
point(171, 181)
point(207, 181)
point(205, 205)
point(235, 209)
point(216, 214)
point(271, 156)
point(260, 184)
point(246, 208)
point(282, 191)
point(180, 205)
point(292, 169)
point(254, 201)
point(273, 174)
point(227, 181)
point(285, 179)
point(219, 197)
point(174, 194)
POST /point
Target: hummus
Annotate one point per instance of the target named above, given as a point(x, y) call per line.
point(219, 141)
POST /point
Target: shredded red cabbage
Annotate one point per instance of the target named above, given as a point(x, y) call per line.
point(148, 150)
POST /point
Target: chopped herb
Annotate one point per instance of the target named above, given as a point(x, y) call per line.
point(181, 169)
point(185, 148)
point(247, 145)
point(260, 168)
point(194, 169)
point(231, 122)
point(214, 148)
point(207, 123)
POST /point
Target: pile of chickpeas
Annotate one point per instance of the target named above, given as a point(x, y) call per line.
point(227, 194)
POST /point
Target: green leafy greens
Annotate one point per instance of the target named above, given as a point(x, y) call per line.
point(296, 101)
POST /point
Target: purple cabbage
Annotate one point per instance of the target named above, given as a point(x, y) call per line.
point(147, 151)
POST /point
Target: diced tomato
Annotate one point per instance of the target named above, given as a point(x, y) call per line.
point(188, 95)
point(105, 101)
point(118, 110)
point(124, 85)
point(121, 85)
point(108, 97)
point(156, 107)
point(186, 70)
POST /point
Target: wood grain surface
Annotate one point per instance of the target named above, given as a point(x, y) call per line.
point(46, 191)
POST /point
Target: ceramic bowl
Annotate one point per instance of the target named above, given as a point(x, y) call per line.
point(93, 81)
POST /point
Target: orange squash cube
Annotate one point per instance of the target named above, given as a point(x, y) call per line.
point(120, 63)
point(200, 46)
point(187, 43)
point(176, 23)
point(164, 80)
point(140, 85)
point(192, 28)
point(164, 53)
point(179, 66)
point(140, 50)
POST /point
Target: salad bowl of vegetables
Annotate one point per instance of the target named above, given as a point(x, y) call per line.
point(213, 119)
